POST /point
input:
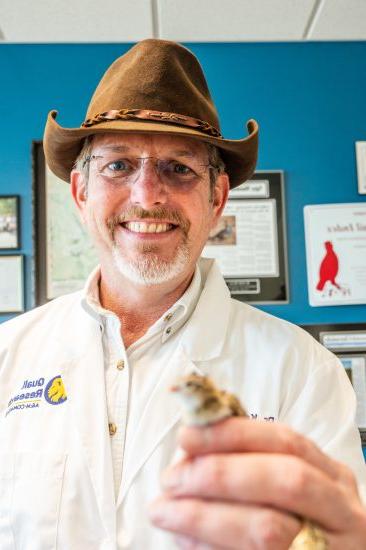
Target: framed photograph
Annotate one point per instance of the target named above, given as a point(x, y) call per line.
point(11, 284)
point(335, 237)
point(249, 242)
point(9, 222)
point(64, 255)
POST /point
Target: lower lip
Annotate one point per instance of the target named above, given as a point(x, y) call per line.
point(149, 236)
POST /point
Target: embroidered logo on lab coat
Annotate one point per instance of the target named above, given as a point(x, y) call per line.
point(55, 392)
point(31, 394)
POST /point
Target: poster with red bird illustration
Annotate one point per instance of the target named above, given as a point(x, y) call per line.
point(335, 236)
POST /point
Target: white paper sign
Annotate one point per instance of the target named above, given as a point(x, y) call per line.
point(244, 242)
point(346, 341)
point(11, 284)
point(252, 189)
point(356, 369)
point(335, 237)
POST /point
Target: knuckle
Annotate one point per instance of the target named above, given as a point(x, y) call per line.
point(295, 481)
point(346, 476)
point(192, 513)
point(294, 443)
point(211, 473)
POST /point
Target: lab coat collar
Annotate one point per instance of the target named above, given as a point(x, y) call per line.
point(204, 334)
point(176, 316)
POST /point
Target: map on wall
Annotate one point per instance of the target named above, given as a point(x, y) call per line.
point(70, 253)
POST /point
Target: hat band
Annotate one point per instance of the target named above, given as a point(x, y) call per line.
point(158, 116)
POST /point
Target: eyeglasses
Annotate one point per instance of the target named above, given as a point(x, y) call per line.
point(125, 171)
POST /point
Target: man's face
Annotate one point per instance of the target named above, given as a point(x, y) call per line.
point(148, 220)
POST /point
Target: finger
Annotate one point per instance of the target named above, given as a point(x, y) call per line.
point(241, 434)
point(281, 481)
point(226, 526)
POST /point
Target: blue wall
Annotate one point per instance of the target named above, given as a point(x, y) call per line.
point(309, 99)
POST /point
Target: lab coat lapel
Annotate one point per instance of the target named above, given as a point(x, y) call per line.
point(155, 423)
point(83, 377)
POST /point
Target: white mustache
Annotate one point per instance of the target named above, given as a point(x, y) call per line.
point(159, 215)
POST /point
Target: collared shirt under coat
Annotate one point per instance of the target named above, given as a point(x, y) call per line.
point(131, 374)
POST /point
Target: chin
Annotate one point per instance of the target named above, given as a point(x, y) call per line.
point(150, 269)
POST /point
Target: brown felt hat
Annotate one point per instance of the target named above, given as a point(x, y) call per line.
point(159, 87)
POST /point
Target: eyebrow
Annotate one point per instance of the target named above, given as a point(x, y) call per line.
point(184, 153)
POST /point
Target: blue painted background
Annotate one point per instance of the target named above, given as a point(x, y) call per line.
point(309, 99)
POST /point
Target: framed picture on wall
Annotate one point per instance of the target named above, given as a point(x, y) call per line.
point(11, 283)
point(249, 242)
point(9, 222)
point(348, 342)
point(335, 237)
point(64, 255)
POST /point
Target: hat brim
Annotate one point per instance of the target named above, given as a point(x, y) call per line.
point(62, 145)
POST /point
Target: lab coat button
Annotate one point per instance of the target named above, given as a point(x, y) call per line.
point(168, 317)
point(168, 330)
point(120, 364)
point(112, 428)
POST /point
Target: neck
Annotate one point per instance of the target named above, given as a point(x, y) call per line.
point(137, 306)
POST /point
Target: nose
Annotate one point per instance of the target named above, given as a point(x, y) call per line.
point(148, 190)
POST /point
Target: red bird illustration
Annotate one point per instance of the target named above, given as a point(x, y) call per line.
point(328, 268)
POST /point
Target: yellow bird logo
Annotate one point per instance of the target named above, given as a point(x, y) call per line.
point(56, 392)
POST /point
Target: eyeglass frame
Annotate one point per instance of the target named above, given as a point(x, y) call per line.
point(95, 157)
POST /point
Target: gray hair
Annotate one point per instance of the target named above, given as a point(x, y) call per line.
point(81, 163)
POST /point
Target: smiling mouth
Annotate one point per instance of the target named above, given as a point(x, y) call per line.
point(144, 227)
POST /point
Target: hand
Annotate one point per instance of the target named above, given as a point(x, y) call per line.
point(245, 484)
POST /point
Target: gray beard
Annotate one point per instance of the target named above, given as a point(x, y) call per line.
point(149, 269)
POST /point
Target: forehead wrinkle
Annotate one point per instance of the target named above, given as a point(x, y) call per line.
point(166, 145)
point(126, 149)
point(115, 148)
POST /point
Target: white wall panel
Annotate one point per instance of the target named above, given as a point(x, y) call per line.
point(75, 21)
point(182, 20)
point(340, 20)
point(233, 20)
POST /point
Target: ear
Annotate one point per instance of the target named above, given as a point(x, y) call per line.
point(220, 196)
point(79, 192)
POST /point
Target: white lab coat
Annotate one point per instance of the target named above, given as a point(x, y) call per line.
point(56, 478)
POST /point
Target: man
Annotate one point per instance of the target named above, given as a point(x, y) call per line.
point(88, 427)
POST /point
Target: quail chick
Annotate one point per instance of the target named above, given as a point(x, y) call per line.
point(203, 402)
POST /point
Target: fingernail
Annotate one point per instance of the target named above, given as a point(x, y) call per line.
point(183, 542)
